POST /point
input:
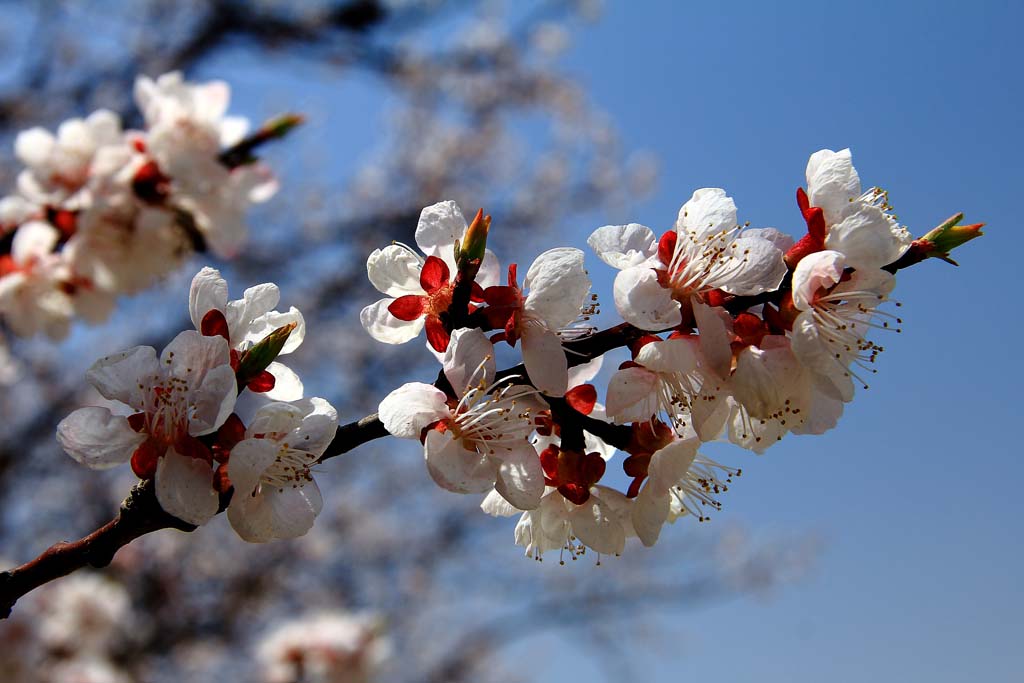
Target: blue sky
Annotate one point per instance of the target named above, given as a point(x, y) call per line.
point(916, 493)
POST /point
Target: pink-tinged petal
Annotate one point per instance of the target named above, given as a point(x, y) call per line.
point(209, 292)
point(715, 327)
point(213, 401)
point(762, 271)
point(249, 459)
point(456, 469)
point(319, 426)
point(251, 517)
point(407, 308)
point(554, 516)
point(386, 328)
point(469, 360)
point(710, 413)
point(260, 327)
point(496, 506)
point(395, 270)
point(558, 286)
point(624, 246)
point(679, 355)
point(643, 302)
point(520, 477)
point(631, 396)
point(597, 526)
point(707, 212)
point(832, 182)
point(868, 239)
point(817, 271)
point(751, 433)
point(439, 226)
point(287, 385)
point(97, 438)
point(256, 301)
point(649, 512)
point(435, 274)
point(410, 408)
point(294, 509)
point(868, 280)
point(545, 361)
point(117, 377)
point(814, 352)
point(184, 488)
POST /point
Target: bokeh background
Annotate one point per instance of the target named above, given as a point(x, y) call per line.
point(889, 549)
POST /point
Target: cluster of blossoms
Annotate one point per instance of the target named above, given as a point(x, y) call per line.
point(214, 413)
point(735, 333)
point(101, 211)
point(329, 647)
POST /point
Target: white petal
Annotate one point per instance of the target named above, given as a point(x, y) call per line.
point(263, 325)
point(715, 327)
point(213, 401)
point(597, 527)
point(294, 508)
point(97, 438)
point(489, 274)
point(558, 286)
point(318, 428)
point(642, 302)
point(623, 246)
point(32, 240)
point(649, 512)
point(581, 374)
point(184, 488)
point(410, 408)
point(822, 413)
point(249, 459)
point(251, 517)
point(763, 267)
point(867, 239)
point(384, 327)
point(208, 292)
point(782, 241)
point(631, 395)
point(708, 211)
point(469, 360)
point(439, 226)
point(117, 377)
point(287, 385)
point(677, 355)
point(765, 378)
point(34, 146)
point(820, 270)
point(190, 355)
point(496, 506)
point(814, 353)
point(832, 182)
point(520, 477)
point(256, 301)
point(670, 464)
point(545, 361)
point(454, 468)
point(395, 270)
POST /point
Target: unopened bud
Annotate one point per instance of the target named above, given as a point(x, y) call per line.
point(470, 252)
point(940, 241)
point(262, 354)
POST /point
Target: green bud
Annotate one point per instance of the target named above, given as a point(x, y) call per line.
point(260, 355)
point(940, 241)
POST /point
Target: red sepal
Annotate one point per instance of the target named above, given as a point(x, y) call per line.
point(145, 459)
point(582, 398)
point(214, 324)
point(261, 383)
point(667, 247)
point(434, 275)
point(437, 336)
point(408, 307)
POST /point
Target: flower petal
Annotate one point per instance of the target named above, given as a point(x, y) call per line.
point(643, 302)
point(184, 488)
point(410, 408)
point(814, 272)
point(545, 360)
point(439, 226)
point(496, 506)
point(213, 401)
point(117, 377)
point(649, 512)
point(455, 468)
point(520, 477)
point(631, 395)
point(679, 355)
point(558, 286)
point(597, 526)
point(832, 182)
point(710, 210)
point(97, 438)
point(623, 246)
point(249, 459)
point(395, 270)
point(469, 360)
point(287, 385)
point(384, 327)
point(208, 292)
